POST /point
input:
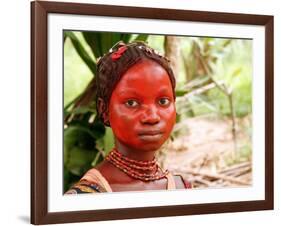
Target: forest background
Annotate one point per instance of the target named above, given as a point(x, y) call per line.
point(211, 141)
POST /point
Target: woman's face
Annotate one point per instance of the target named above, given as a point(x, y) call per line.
point(142, 108)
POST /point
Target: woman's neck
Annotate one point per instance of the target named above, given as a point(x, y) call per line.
point(133, 153)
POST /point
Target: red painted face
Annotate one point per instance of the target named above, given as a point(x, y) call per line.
point(142, 108)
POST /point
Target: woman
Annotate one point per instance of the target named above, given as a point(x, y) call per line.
point(136, 98)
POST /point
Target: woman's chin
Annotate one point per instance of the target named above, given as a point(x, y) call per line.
point(146, 144)
point(149, 146)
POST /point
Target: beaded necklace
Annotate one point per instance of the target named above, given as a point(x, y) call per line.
point(141, 170)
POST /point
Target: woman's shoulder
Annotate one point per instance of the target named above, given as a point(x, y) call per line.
point(182, 182)
point(90, 183)
point(84, 186)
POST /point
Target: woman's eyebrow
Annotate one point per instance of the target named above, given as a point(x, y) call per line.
point(129, 91)
point(163, 90)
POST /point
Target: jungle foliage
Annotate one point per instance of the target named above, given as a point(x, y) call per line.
point(214, 77)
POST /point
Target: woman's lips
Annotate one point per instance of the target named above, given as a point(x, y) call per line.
point(151, 136)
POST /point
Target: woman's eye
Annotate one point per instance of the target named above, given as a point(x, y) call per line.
point(131, 103)
point(164, 101)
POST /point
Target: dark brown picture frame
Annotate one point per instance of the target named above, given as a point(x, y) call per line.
point(39, 112)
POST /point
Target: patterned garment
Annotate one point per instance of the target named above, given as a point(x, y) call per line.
point(85, 186)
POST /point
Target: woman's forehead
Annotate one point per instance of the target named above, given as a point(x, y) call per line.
point(153, 80)
point(146, 64)
point(145, 71)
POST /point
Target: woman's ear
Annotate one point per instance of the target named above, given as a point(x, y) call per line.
point(102, 110)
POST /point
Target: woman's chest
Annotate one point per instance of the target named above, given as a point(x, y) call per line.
point(140, 186)
point(153, 185)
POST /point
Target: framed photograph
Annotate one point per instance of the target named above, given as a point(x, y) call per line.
point(148, 112)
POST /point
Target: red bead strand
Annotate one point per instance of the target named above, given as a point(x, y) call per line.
point(141, 170)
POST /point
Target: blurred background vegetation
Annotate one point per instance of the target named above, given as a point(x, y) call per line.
point(211, 141)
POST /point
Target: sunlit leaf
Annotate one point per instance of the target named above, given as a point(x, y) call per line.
point(237, 72)
point(81, 51)
point(227, 42)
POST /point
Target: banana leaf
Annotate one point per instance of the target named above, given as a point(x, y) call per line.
point(81, 51)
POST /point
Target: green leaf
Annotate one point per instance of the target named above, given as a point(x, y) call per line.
point(126, 38)
point(81, 51)
point(237, 72)
point(180, 93)
point(79, 160)
point(94, 41)
point(79, 149)
point(227, 42)
point(108, 140)
point(97, 128)
point(141, 37)
point(75, 131)
point(71, 103)
point(100, 43)
point(82, 110)
point(97, 159)
point(106, 143)
point(108, 40)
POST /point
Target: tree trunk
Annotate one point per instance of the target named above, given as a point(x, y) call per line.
point(172, 52)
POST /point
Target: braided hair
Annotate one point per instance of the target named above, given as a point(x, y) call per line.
point(114, 64)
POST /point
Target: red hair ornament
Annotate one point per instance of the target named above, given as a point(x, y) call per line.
point(116, 55)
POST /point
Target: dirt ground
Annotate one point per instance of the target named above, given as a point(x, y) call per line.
point(204, 151)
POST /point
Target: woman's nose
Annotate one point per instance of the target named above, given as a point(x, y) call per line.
point(150, 116)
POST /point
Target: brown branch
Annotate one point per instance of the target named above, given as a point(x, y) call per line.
point(235, 167)
point(228, 93)
point(216, 176)
point(200, 90)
